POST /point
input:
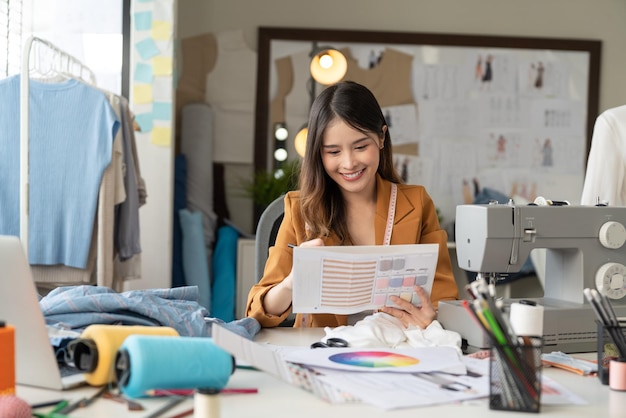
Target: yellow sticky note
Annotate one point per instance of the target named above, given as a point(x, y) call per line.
point(162, 65)
point(142, 93)
point(161, 136)
point(161, 30)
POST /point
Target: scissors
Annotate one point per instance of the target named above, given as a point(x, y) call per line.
point(330, 342)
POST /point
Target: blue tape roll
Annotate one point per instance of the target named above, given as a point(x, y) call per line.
point(149, 362)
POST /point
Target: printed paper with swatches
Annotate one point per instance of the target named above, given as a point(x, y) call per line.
point(352, 279)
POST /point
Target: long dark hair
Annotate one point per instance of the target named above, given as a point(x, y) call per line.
point(323, 207)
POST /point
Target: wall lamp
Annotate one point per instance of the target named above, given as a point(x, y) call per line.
point(328, 66)
point(280, 149)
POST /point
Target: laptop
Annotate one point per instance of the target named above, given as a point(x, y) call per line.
point(35, 360)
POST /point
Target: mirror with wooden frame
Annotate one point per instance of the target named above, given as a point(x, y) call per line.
point(464, 111)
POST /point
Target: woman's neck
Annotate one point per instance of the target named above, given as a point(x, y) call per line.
point(360, 214)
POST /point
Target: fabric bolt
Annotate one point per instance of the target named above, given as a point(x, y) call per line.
point(194, 258)
point(224, 286)
point(197, 146)
point(65, 175)
point(180, 202)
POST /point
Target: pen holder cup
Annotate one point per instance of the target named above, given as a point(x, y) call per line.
point(607, 350)
point(515, 376)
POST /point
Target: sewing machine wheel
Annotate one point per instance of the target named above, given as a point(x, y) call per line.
point(612, 235)
point(610, 280)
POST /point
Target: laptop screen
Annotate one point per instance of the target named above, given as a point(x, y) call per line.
point(35, 362)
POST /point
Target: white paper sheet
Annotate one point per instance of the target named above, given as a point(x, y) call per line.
point(397, 360)
point(352, 279)
point(385, 390)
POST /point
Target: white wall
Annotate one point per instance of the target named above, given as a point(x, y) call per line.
point(156, 161)
point(573, 19)
point(576, 19)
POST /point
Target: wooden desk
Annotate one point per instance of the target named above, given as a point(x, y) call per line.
point(277, 399)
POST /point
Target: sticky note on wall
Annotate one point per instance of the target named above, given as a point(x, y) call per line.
point(162, 66)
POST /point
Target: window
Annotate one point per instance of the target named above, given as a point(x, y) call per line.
point(90, 30)
point(13, 16)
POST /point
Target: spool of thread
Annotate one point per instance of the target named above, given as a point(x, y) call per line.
point(617, 374)
point(7, 359)
point(146, 362)
point(526, 318)
point(94, 352)
point(206, 403)
point(13, 407)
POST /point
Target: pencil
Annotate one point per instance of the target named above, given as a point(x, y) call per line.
point(169, 405)
point(183, 414)
point(190, 392)
point(605, 317)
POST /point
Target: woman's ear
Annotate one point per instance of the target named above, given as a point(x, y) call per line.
point(381, 145)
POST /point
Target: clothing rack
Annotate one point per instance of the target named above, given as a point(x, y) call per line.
point(60, 63)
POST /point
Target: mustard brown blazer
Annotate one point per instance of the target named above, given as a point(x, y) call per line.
point(415, 222)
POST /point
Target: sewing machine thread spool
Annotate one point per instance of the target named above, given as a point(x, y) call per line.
point(148, 362)
point(94, 352)
point(526, 318)
point(617, 374)
point(206, 403)
point(7, 359)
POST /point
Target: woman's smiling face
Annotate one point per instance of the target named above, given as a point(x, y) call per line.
point(351, 157)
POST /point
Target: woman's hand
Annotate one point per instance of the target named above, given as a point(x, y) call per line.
point(317, 242)
point(409, 314)
point(279, 298)
point(287, 283)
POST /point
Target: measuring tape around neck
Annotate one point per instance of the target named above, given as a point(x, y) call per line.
point(391, 214)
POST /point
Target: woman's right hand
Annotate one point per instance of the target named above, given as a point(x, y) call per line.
point(279, 298)
point(317, 242)
point(288, 282)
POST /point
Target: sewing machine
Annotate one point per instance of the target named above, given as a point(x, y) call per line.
point(584, 249)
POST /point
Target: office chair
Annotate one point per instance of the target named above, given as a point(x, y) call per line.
point(266, 232)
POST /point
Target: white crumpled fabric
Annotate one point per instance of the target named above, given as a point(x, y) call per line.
point(383, 330)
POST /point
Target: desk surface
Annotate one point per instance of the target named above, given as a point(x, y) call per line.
point(277, 399)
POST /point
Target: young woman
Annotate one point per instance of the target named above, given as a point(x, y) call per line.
point(347, 183)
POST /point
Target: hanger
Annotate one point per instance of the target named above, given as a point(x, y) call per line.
point(50, 63)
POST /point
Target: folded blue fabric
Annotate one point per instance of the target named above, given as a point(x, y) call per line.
point(76, 307)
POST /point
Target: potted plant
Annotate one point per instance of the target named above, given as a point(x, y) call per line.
point(267, 185)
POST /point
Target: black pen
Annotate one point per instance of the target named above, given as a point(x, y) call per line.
point(47, 403)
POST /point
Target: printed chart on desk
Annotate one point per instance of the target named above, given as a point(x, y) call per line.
point(351, 279)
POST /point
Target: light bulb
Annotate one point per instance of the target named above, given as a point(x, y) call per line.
point(299, 142)
point(280, 154)
point(281, 134)
point(326, 61)
point(328, 67)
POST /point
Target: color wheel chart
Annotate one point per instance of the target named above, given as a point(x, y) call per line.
point(373, 359)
